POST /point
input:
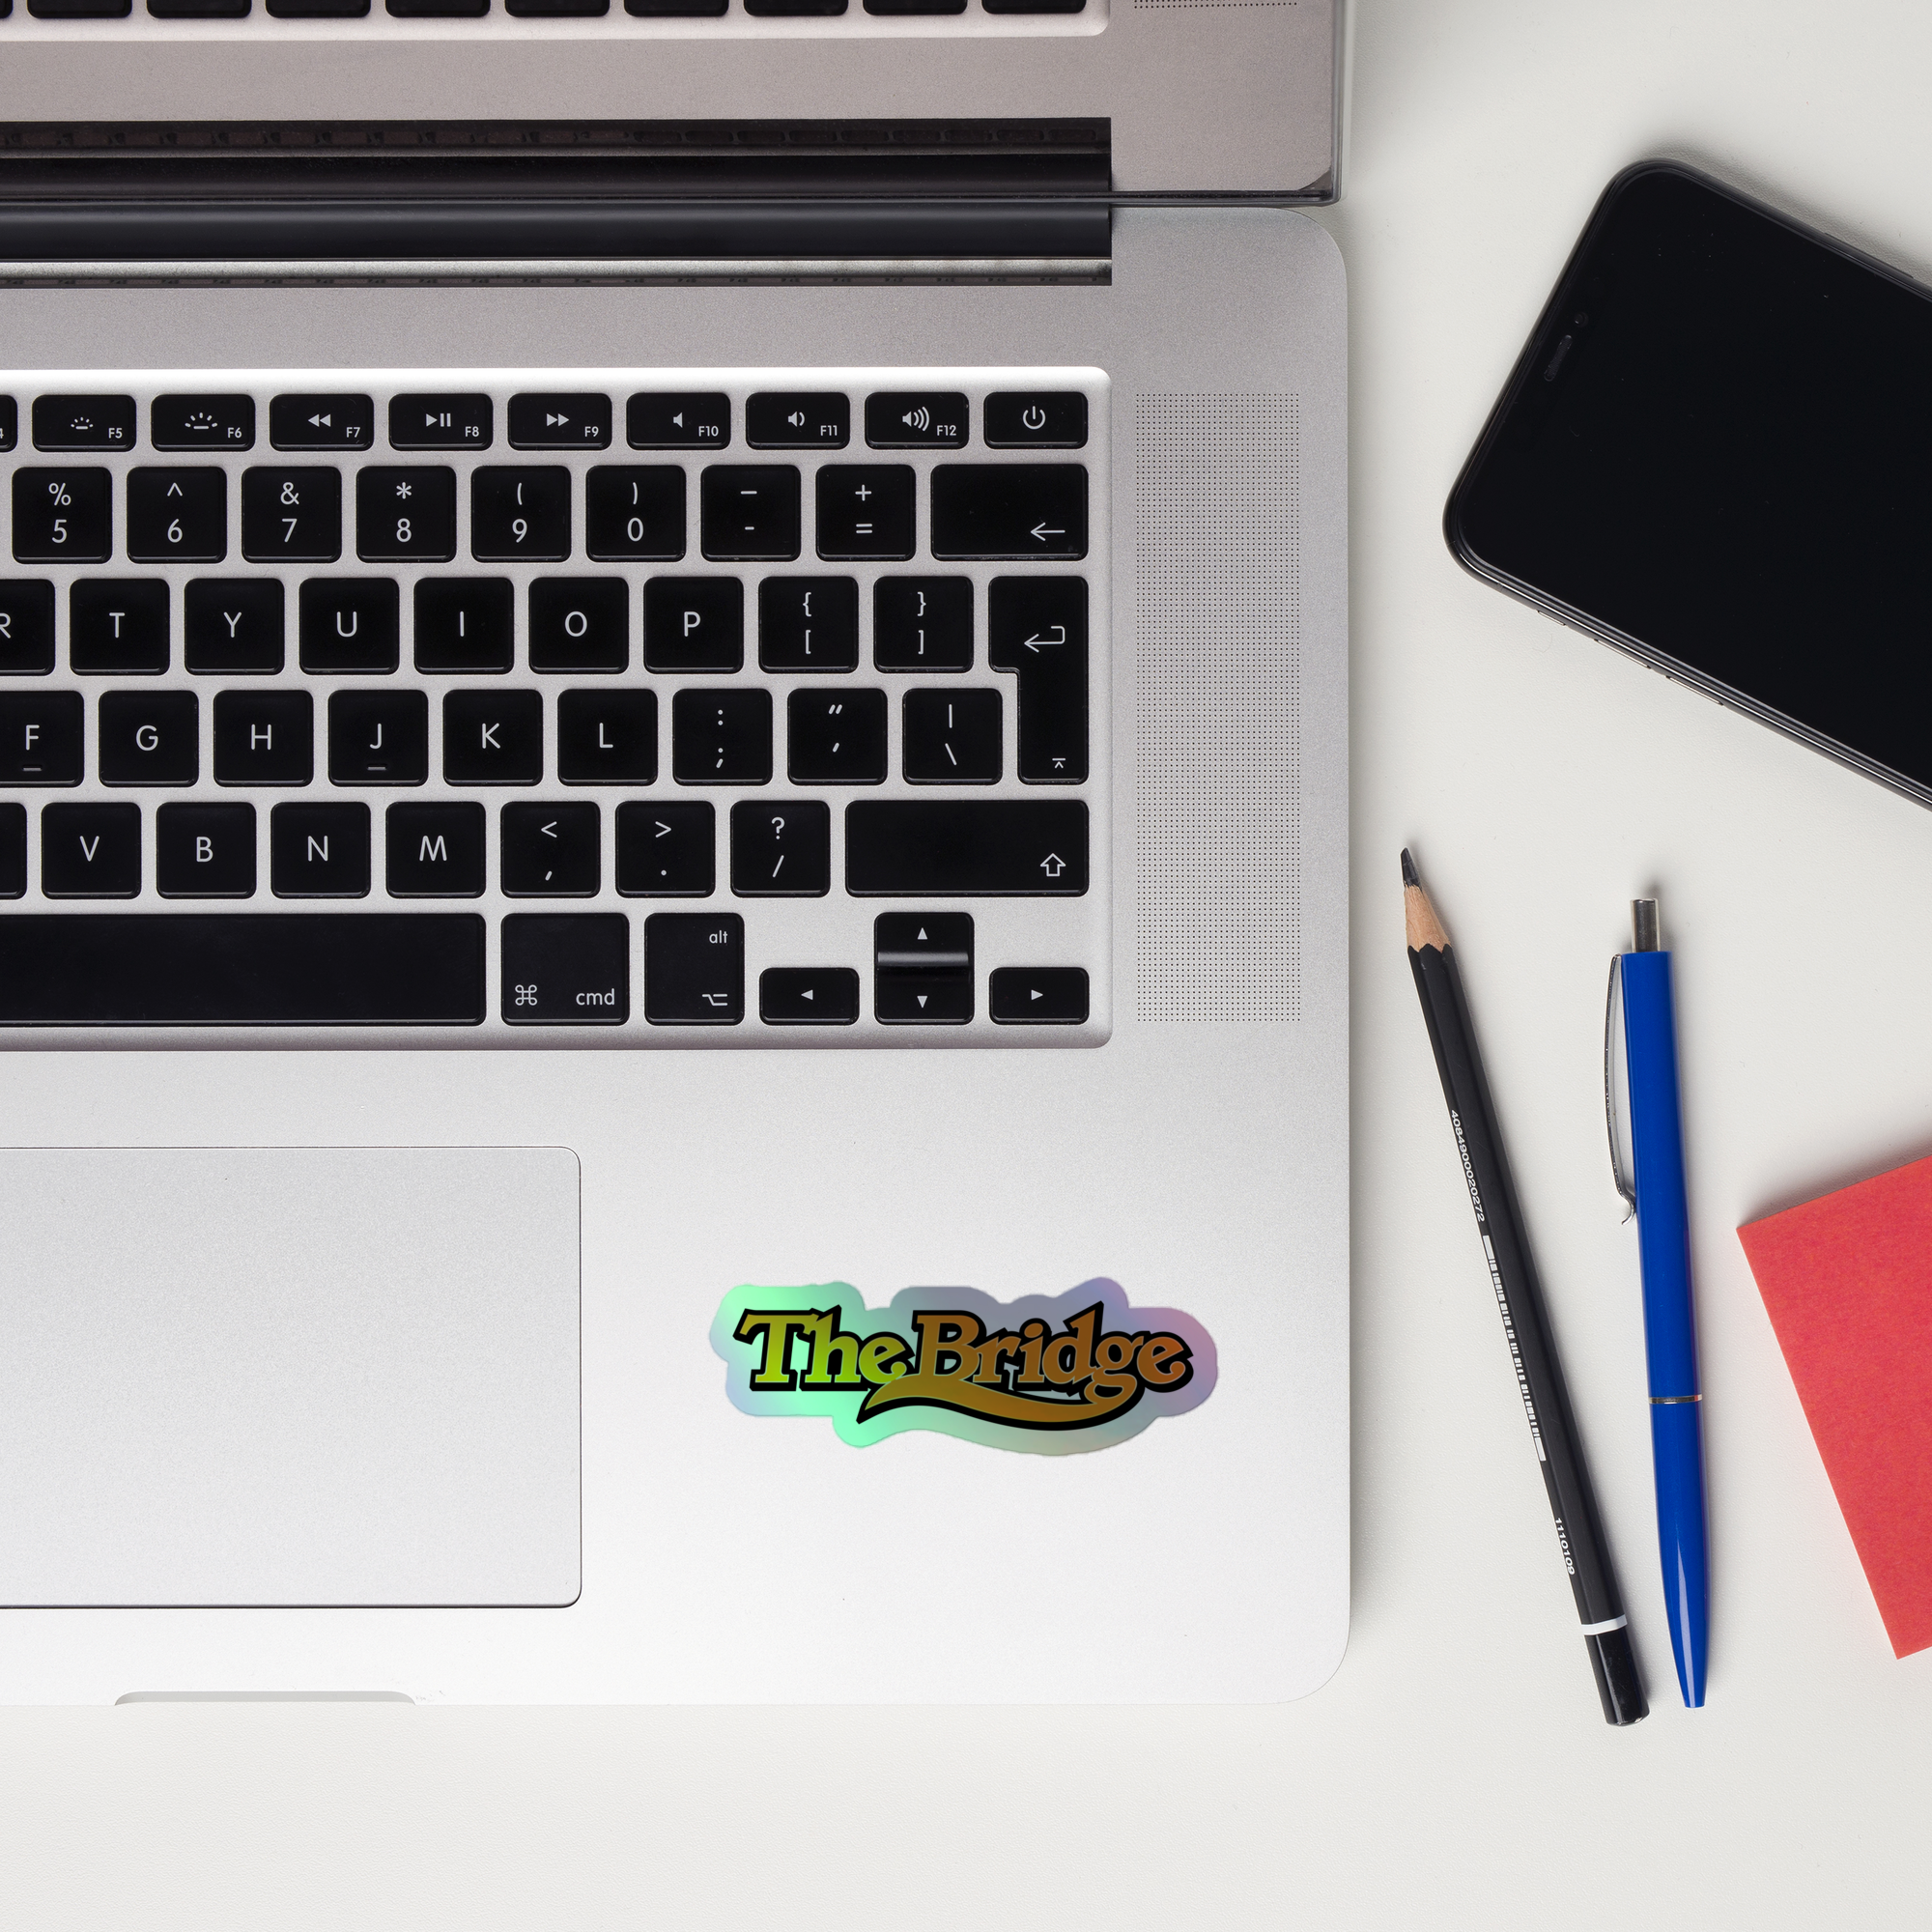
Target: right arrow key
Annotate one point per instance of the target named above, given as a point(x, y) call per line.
point(1038, 996)
point(1009, 510)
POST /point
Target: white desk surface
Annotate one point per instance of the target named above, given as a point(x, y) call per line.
point(1456, 1771)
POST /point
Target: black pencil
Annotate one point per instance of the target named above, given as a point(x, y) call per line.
point(1538, 1375)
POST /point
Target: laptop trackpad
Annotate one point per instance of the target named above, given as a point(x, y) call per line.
point(289, 1375)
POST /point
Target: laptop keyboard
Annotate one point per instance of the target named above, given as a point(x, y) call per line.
point(631, 15)
point(621, 707)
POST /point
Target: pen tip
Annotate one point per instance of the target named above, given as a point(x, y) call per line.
point(1408, 877)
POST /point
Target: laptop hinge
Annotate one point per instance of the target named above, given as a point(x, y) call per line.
point(602, 201)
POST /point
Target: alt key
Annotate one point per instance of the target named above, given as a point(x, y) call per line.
point(808, 996)
point(1038, 996)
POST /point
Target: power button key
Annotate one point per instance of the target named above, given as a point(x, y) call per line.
point(1036, 419)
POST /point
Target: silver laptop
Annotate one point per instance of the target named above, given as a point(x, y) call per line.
point(672, 876)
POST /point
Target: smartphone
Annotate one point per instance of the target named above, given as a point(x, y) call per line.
point(1715, 453)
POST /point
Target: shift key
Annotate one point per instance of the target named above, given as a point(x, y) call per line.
point(966, 848)
point(1009, 510)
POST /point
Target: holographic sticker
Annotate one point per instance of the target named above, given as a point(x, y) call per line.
point(1049, 1373)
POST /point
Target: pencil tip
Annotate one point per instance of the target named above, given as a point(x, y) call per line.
point(1408, 877)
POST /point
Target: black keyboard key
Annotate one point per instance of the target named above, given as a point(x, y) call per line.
point(439, 422)
point(292, 516)
point(26, 627)
point(41, 738)
point(923, 623)
point(492, 737)
point(321, 422)
point(798, 420)
point(551, 851)
point(349, 624)
point(438, 10)
point(201, 422)
point(808, 996)
point(923, 968)
point(62, 516)
point(241, 969)
point(607, 737)
point(117, 624)
point(809, 623)
point(1038, 996)
point(579, 623)
point(675, 9)
point(264, 737)
point(405, 514)
point(13, 851)
point(91, 851)
point(318, 9)
point(693, 623)
point(721, 737)
point(10, 422)
point(922, 942)
point(781, 10)
point(915, 6)
point(953, 737)
point(1035, 418)
point(560, 421)
point(566, 969)
point(465, 623)
point(1009, 510)
point(980, 847)
point(84, 422)
point(520, 513)
point(634, 511)
point(923, 419)
point(749, 511)
point(232, 624)
point(782, 848)
point(684, 419)
point(177, 516)
point(666, 851)
point(205, 851)
point(150, 737)
point(835, 737)
point(435, 851)
point(694, 969)
point(865, 511)
point(378, 737)
point(1036, 7)
point(80, 10)
point(1037, 627)
point(318, 851)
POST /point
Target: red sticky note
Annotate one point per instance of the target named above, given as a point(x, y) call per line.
point(1847, 1281)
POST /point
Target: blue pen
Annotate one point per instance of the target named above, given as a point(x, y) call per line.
point(1670, 1329)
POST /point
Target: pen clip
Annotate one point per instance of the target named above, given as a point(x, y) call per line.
point(1624, 1191)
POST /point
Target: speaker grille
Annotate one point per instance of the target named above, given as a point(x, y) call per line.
point(1218, 704)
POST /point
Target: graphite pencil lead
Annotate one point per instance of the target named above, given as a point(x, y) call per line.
point(1408, 877)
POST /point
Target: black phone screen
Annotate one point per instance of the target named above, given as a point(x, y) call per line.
point(1716, 451)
